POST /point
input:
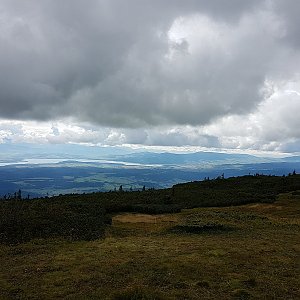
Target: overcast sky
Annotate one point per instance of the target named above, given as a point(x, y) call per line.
point(214, 74)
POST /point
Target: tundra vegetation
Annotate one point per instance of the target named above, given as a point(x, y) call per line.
point(235, 238)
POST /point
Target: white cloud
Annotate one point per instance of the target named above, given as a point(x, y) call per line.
point(272, 126)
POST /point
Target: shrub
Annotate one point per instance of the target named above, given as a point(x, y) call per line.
point(23, 220)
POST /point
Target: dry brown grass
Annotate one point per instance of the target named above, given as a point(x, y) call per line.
point(143, 218)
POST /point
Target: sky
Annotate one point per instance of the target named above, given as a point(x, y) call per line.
point(164, 73)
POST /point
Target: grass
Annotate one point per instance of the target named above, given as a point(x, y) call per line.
point(142, 257)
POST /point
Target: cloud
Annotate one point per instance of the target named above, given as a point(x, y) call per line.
point(289, 11)
point(209, 73)
point(132, 64)
point(274, 126)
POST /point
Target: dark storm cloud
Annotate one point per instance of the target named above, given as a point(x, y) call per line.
point(289, 11)
point(116, 62)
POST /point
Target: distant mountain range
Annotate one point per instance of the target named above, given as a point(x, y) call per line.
point(18, 152)
point(187, 158)
point(199, 158)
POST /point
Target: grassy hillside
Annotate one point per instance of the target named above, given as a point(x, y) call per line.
point(143, 257)
point(67, 249)
point(234, 191)
point(209, 193)
point(84, 216)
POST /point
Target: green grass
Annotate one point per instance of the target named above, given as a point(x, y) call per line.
point(257, 259)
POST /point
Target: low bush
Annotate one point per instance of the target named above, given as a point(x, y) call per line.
point(22, 220)
point(155, 208)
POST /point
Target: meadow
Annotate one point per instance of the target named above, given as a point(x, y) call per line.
point(247, 250)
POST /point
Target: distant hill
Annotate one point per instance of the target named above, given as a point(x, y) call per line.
point(11, 153)
point(190, 158)
point(291, 159)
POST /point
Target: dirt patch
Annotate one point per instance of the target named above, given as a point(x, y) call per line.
point(144, 218)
